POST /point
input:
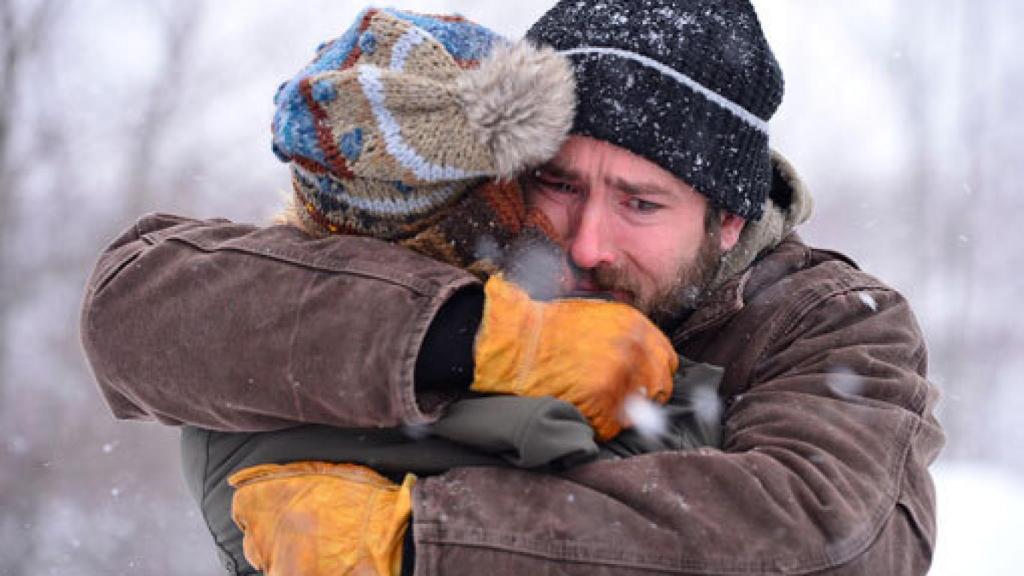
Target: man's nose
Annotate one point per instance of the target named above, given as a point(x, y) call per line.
point(590, 242)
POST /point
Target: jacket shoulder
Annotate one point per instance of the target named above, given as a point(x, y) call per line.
point(805, 307)
point(803, 272)
point(829, 314)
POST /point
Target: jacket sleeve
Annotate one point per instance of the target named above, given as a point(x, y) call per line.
point(238, 328)
point(823, 471)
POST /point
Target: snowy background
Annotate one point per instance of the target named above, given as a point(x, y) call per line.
point(903, 116)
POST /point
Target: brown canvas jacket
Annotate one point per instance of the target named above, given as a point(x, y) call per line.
point(828, 424)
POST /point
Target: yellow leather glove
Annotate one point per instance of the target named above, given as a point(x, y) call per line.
point(589, 353)
point(318, 518)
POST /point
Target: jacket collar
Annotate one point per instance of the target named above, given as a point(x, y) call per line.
point(767, 250)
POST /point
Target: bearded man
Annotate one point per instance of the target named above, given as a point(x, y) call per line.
point(666, 197)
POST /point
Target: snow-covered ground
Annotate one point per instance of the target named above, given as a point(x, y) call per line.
point(981, 521)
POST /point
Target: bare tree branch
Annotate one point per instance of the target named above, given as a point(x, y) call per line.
point(179, 27)
point(22, 32)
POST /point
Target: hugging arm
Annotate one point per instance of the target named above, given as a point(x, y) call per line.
point(236, 328)
point(823, 471)
point(233, 327)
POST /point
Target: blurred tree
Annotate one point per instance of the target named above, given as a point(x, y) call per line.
point(61, 509)
point(958, 346)
point(982, 336)
point(24, 29)
point(942, 66)
point(178, 23)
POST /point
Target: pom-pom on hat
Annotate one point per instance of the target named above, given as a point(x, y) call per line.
point(688, 84)
point(399, 117)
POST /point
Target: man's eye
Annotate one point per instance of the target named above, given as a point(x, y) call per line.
point(553, 185)
point(643, 206)
point(561, 187)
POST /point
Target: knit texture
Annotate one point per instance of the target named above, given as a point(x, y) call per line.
point(687, 84)
point(394, 121)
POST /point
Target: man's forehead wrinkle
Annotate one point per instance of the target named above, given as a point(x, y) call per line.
point(618, 179)
point(639, 187)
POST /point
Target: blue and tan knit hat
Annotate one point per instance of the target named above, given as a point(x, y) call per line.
point(396, 119)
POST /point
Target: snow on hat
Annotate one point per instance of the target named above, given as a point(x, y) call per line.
point(687, 84)
point(396, 119)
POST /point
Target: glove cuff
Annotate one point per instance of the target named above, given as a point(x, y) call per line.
point(507, 340)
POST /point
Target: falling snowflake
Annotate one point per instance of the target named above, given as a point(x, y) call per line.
point(648, 418)
point(869, 301)
point(845, 382)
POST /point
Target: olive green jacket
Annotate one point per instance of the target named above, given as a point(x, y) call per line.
point(539, 433)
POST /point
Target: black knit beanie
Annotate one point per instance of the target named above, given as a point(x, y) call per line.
point(687, 84)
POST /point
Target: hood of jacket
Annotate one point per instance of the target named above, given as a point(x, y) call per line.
point(789, 204)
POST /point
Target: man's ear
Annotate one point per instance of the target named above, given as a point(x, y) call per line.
point(730, 229)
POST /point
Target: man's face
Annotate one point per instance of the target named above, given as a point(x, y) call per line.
point(631, 228)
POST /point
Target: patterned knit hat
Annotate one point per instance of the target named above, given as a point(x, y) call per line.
point(687, 84)
point(396, 119)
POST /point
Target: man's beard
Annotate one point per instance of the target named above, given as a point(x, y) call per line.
point(671, 303)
